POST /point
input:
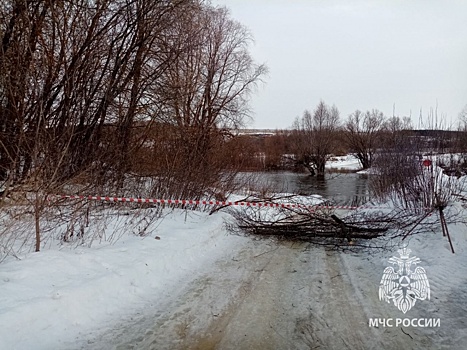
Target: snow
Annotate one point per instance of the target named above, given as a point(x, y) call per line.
point(69, 297)
point(348, 163)
point(51, 298)
point(446, 274)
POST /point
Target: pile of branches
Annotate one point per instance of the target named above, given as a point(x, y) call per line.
point(324, 226)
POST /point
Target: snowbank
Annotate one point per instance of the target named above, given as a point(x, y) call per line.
point(50, 298)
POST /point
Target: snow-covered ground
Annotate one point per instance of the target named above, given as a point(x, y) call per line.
point(190, 284)
point(51, 299)
point(346, 163)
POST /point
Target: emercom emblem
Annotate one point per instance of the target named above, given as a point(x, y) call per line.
point(404, 286)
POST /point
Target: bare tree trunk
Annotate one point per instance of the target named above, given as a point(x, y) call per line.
point(37, 216)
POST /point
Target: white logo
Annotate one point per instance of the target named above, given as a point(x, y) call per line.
point(405, 286)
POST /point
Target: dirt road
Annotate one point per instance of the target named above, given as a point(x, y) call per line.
point(273, 296)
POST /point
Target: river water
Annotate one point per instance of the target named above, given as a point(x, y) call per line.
point(341, 189)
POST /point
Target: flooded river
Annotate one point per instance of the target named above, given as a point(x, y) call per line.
point(341, 189)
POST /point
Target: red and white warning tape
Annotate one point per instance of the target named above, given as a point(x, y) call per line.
point(205, 202)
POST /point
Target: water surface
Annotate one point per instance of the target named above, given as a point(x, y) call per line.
point(342, 189)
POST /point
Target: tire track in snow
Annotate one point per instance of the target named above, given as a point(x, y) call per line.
point(288, 296)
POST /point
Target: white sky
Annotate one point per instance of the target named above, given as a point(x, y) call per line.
point(360, 54)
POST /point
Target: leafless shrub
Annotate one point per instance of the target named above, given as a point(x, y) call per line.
point(415, 182)
point(72, 223)
point(411, 180)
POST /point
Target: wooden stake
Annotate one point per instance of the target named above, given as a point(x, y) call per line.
point(444, 227)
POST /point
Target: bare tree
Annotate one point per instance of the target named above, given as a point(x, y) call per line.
point(362, 132)
point(74, 68)
point(396, 134)
point(205, 93)
point(88, 89)
point(314, 137)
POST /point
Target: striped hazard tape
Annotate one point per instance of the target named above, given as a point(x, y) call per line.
point(211, 202)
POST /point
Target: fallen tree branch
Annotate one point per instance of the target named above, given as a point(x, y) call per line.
point(325, 227)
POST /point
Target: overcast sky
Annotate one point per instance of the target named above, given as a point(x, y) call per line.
point(360, 54)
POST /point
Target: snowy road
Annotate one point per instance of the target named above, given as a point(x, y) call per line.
point(287, 296)
point(189, 284)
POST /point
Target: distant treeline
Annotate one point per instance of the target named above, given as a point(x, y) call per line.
point(318, 136)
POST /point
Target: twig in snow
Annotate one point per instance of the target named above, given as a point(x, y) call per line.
point(269, 251)
point(406, 333)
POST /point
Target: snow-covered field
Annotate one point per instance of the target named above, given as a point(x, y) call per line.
point(190, 284)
